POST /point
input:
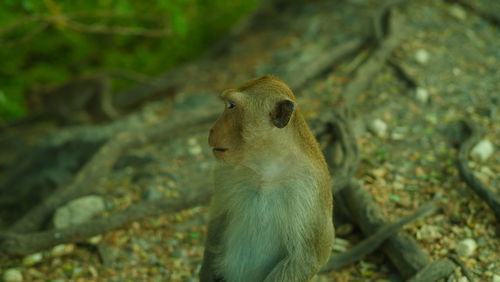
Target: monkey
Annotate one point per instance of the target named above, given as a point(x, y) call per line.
point(271, 210)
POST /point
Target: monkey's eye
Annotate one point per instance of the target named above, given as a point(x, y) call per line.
point(230, 104)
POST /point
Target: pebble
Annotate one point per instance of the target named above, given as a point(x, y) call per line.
point(397, 136)
point(12, 274)
point(152, 193)
point(458, 12)
point(482, 150)
point(378, 127)
point(422, 95)
point(193, 147)
point(62, 249)
point(344, 229)
point(340, 245)
point(428, 233)
point(95, 240)
point(32, 259)
point(422, 56)
point(466, 248)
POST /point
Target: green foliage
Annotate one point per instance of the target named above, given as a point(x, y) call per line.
point(57, 40)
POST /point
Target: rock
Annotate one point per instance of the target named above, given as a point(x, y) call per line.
point(466, 248)
point(428, 233)
point(193, 147)
point(340, 245)
point(422, 56)
point(397, 136)
point(95, 240)
point(378, 128)
point(32, 259)
point(12, 274)
point(458, 12)
point(152, 193)
point(61, 250)
point(78, 211)
point(482, 151)
point(422, 95)
point(344, 229)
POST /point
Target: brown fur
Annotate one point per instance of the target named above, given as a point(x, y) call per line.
point(271, 214)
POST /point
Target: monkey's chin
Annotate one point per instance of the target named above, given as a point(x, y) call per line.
point(219, 153)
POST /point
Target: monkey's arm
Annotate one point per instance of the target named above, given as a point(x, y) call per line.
point(305, 256)
point(298, 268)
point(214, 236)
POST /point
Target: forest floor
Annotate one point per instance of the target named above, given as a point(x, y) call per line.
point(452, 56)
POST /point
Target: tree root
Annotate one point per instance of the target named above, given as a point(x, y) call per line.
point(98, 166)
point(374, 241)
point(474, 134)
point(16, 244)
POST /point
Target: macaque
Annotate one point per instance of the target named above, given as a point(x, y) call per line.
point(271, 211)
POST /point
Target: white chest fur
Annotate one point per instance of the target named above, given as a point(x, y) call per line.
point(258, 216)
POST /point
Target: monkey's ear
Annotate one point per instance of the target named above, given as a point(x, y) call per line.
point(282, 113)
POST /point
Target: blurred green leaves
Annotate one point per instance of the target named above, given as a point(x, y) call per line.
point(49, 42)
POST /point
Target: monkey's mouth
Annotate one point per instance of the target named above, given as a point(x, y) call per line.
point(220, 150)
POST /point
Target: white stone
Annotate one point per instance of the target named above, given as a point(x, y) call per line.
point(397, 136)
point(428, 233)
point(340, 245)
point(458, 12)
point(62, 249)
point(12, 274)
point(482, 151)
point(195, 150)
point(466, 248)
point(422, 56)
point(95, 240)
point(32, 259)
point(378, 127)
point(422, 95)
point(78, 211)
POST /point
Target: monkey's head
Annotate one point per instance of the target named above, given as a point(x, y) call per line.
point(256, 118)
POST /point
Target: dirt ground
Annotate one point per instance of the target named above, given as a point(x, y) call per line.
point(451, 53)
